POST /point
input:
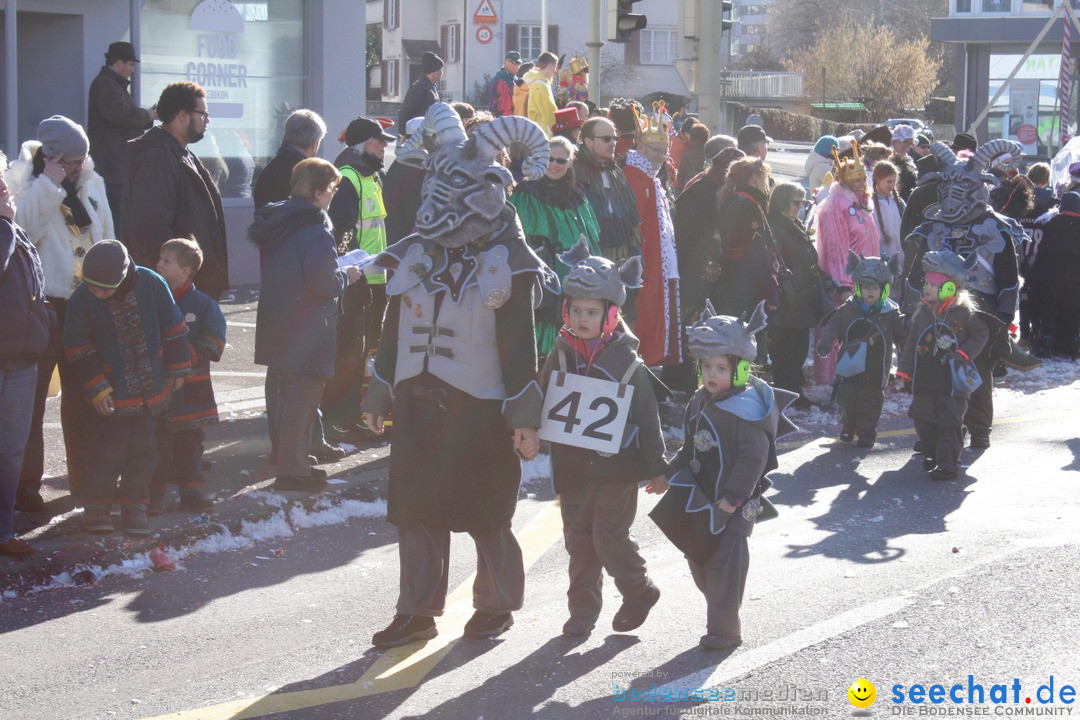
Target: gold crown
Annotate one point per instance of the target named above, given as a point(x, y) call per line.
point(577, 64)
point(654, 130)
point(849, 169)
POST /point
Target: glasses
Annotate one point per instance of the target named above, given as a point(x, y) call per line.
point(333, 189)
point(73, 164)
point(560, 161)
point(604, 138)
point(206, 115)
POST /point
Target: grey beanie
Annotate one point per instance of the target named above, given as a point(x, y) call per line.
point(58, 135)
point(596, 278)
point(106, 264)
point(725, 335)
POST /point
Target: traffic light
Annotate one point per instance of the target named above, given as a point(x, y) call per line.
point(622, 22)
point(725, 24)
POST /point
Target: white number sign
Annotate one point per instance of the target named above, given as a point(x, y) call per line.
point(585, 412)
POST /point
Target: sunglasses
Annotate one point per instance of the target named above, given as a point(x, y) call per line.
point(560, 161)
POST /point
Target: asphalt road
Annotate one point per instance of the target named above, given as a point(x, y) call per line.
point(871, 571)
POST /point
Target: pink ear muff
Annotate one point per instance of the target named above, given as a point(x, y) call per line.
point(611, 320)
point(566, 313)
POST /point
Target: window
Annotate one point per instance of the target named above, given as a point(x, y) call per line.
point(753, 10)
point(391, 14)
point(753, 29)
point(529, 43)
point(391, 78)
point(996, 6)
point(451, 42)
point(963, 7)
point(253, 11)
point(658, 47)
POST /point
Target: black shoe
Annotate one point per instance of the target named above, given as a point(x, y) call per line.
point(846, 436)
point(196, 500)
point(319, 473)
point(404, 629)
point(979, 442)
point(865, 442)
point(918, 447)
point(634, 610)
point(940, 474)
point(486, 625)
point(928, 463)
point(578, 628)
point(328, 453)
point(299, 484)
point(29, 502)
point(1020, 359)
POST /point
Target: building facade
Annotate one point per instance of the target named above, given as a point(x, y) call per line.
point(472, 36)
point(990, 39)
point(258, 61)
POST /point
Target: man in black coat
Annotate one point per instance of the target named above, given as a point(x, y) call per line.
point(304, 131)
point(25, 324)
point(169, 193)
point(113, 118)
point(424, 92)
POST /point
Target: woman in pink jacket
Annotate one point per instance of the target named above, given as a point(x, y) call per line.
point(845, 221)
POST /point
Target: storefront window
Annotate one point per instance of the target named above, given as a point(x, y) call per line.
point(250, 58)
point(1030, 100)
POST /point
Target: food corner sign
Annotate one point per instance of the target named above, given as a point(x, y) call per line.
point(217, 23)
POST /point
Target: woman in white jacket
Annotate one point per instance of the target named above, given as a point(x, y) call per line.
point(819, 161)
point(64, 210)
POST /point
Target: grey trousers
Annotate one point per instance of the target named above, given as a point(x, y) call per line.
point(297, 400)
point(860, 404)
point(723, 580)
point(596, 531)
point(939, 421)
point(424, 551)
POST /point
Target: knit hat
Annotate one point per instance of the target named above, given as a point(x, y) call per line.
point(922, 140)
point(106, 264)
point(1070, 204)
point(903, 132)
point(725, 335)
point(593, 277)
point(749, 135)
point(824, 146)
point(58, 135)
point(430, 62)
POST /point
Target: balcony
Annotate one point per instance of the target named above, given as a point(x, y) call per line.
point(1004, 8)
point(752, 84)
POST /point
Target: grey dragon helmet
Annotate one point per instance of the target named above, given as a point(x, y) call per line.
point(464, 190)
point(595, 277)
point(950, 264)
point(964, 185)
point(725, 335)
point(872, 270)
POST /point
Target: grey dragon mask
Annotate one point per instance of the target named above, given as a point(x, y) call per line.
point(964, 185)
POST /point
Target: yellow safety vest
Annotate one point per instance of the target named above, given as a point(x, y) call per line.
point(371, 220)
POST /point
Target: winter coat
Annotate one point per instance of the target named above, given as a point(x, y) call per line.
point(934, 337)
point(345, 207)
point(194, 405)
point(521, 98)
point(27, 318)
point(878, 327)
point(749, 261)
point(401, 194)
point(45, 219)
point(113, 118)
point(908, 175)
point(98, 346)
point(169, 194)
point(421, 95)
point(296, 320)
point(642, 453)
point(275, 180)
point(690, 164)
point(612, 200)
point(541, 107)
point(696, 237)
point(882, 206)
point(843, 225)
point(800, 306)
point(1055, 275)
point(501, 93)
point(816, 167)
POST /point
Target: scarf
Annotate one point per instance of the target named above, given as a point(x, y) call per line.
point(138, 376)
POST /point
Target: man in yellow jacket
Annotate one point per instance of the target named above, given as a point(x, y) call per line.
point(541, 107)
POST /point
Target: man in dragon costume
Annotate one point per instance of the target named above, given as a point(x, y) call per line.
point(964, 221)
point(457, 365)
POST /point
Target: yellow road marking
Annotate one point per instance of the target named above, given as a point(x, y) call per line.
point(398, 668)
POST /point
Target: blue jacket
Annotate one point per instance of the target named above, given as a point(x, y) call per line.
point(296, 323)
point(98, 342)
point(194, 405)
point(26, 318)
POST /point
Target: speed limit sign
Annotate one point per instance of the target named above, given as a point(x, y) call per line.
point(585, 412)
point(484, 35)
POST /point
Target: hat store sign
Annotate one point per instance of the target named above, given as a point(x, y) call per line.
point(217, 23)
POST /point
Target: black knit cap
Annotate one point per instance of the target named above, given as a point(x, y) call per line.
point(430, 62)
point(106, 264)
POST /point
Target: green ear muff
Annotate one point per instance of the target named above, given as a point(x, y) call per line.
point(858, 291)
point(741, 376)
point(885, 292)
point(947, 290)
